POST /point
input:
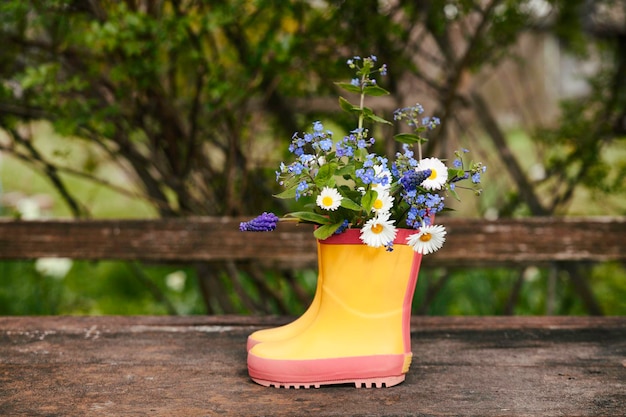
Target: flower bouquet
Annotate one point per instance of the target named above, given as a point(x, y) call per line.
point(374, 223)
point(355, 188)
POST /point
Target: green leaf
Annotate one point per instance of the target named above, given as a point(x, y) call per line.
point(345, 170)
point(290, 185)
point(455, 173)
point(369, 114)
point(349, 87)
point(326, 231)
point(350, 205)
point(307, 216)
point(288, 193)
point(409, 138)
point(347, 106)
point(325, 175)
point(368, 200)
point(374, 90)
point(377, 119)
point(454, 194)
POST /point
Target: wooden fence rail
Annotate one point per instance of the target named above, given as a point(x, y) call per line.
point(469, 241)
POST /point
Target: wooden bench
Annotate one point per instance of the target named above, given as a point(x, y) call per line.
point(196, 365)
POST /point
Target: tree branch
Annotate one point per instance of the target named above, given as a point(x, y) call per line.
point(524, 187)
point(50, 171)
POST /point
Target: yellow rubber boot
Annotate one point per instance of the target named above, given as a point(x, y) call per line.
point(295, 327)
point(361, 333)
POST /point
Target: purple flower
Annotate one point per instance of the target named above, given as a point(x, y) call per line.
point(366, 175)
point(432, 122)
point(296, 168)
point(301, 188)
point(326, 144)
point(306, 159)
point(342, 228)
point(266, 222)
point(344, 149)
point(412, 179)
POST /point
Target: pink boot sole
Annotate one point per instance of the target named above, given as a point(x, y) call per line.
point(375, 371)
point(383, 382)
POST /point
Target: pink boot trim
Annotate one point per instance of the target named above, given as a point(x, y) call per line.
point(250, 343)
point(386, 382)
point(374, 370)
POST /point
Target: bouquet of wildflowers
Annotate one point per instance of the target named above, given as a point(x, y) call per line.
point(355, 188)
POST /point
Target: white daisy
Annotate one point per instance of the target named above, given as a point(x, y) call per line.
point(329, 199)
point(378, 231)
point(429, 239)
point(438, 173)
point(383, 202)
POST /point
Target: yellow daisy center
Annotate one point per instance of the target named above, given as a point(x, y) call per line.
point(377, 228)
point(425, 237)
point(378, 204)
point(433, 174)
point(327, 201)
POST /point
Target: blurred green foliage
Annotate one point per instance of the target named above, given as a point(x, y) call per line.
point(488, 291)
point(120, 288)
point(97, 288)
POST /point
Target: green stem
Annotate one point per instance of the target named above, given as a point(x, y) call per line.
point(361, 106)
point(361, 117)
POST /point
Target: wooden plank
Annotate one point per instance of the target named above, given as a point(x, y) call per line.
point(469, 241)
point(191, 239)
point(533, 240)
point(181, 366)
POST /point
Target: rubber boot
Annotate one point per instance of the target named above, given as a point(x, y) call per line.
point(361, 333)
point(295, 327)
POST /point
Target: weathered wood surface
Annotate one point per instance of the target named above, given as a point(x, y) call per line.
point(196, 366)
point(469, 241)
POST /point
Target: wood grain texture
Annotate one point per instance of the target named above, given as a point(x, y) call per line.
point(469, 241)
point(196, 366)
